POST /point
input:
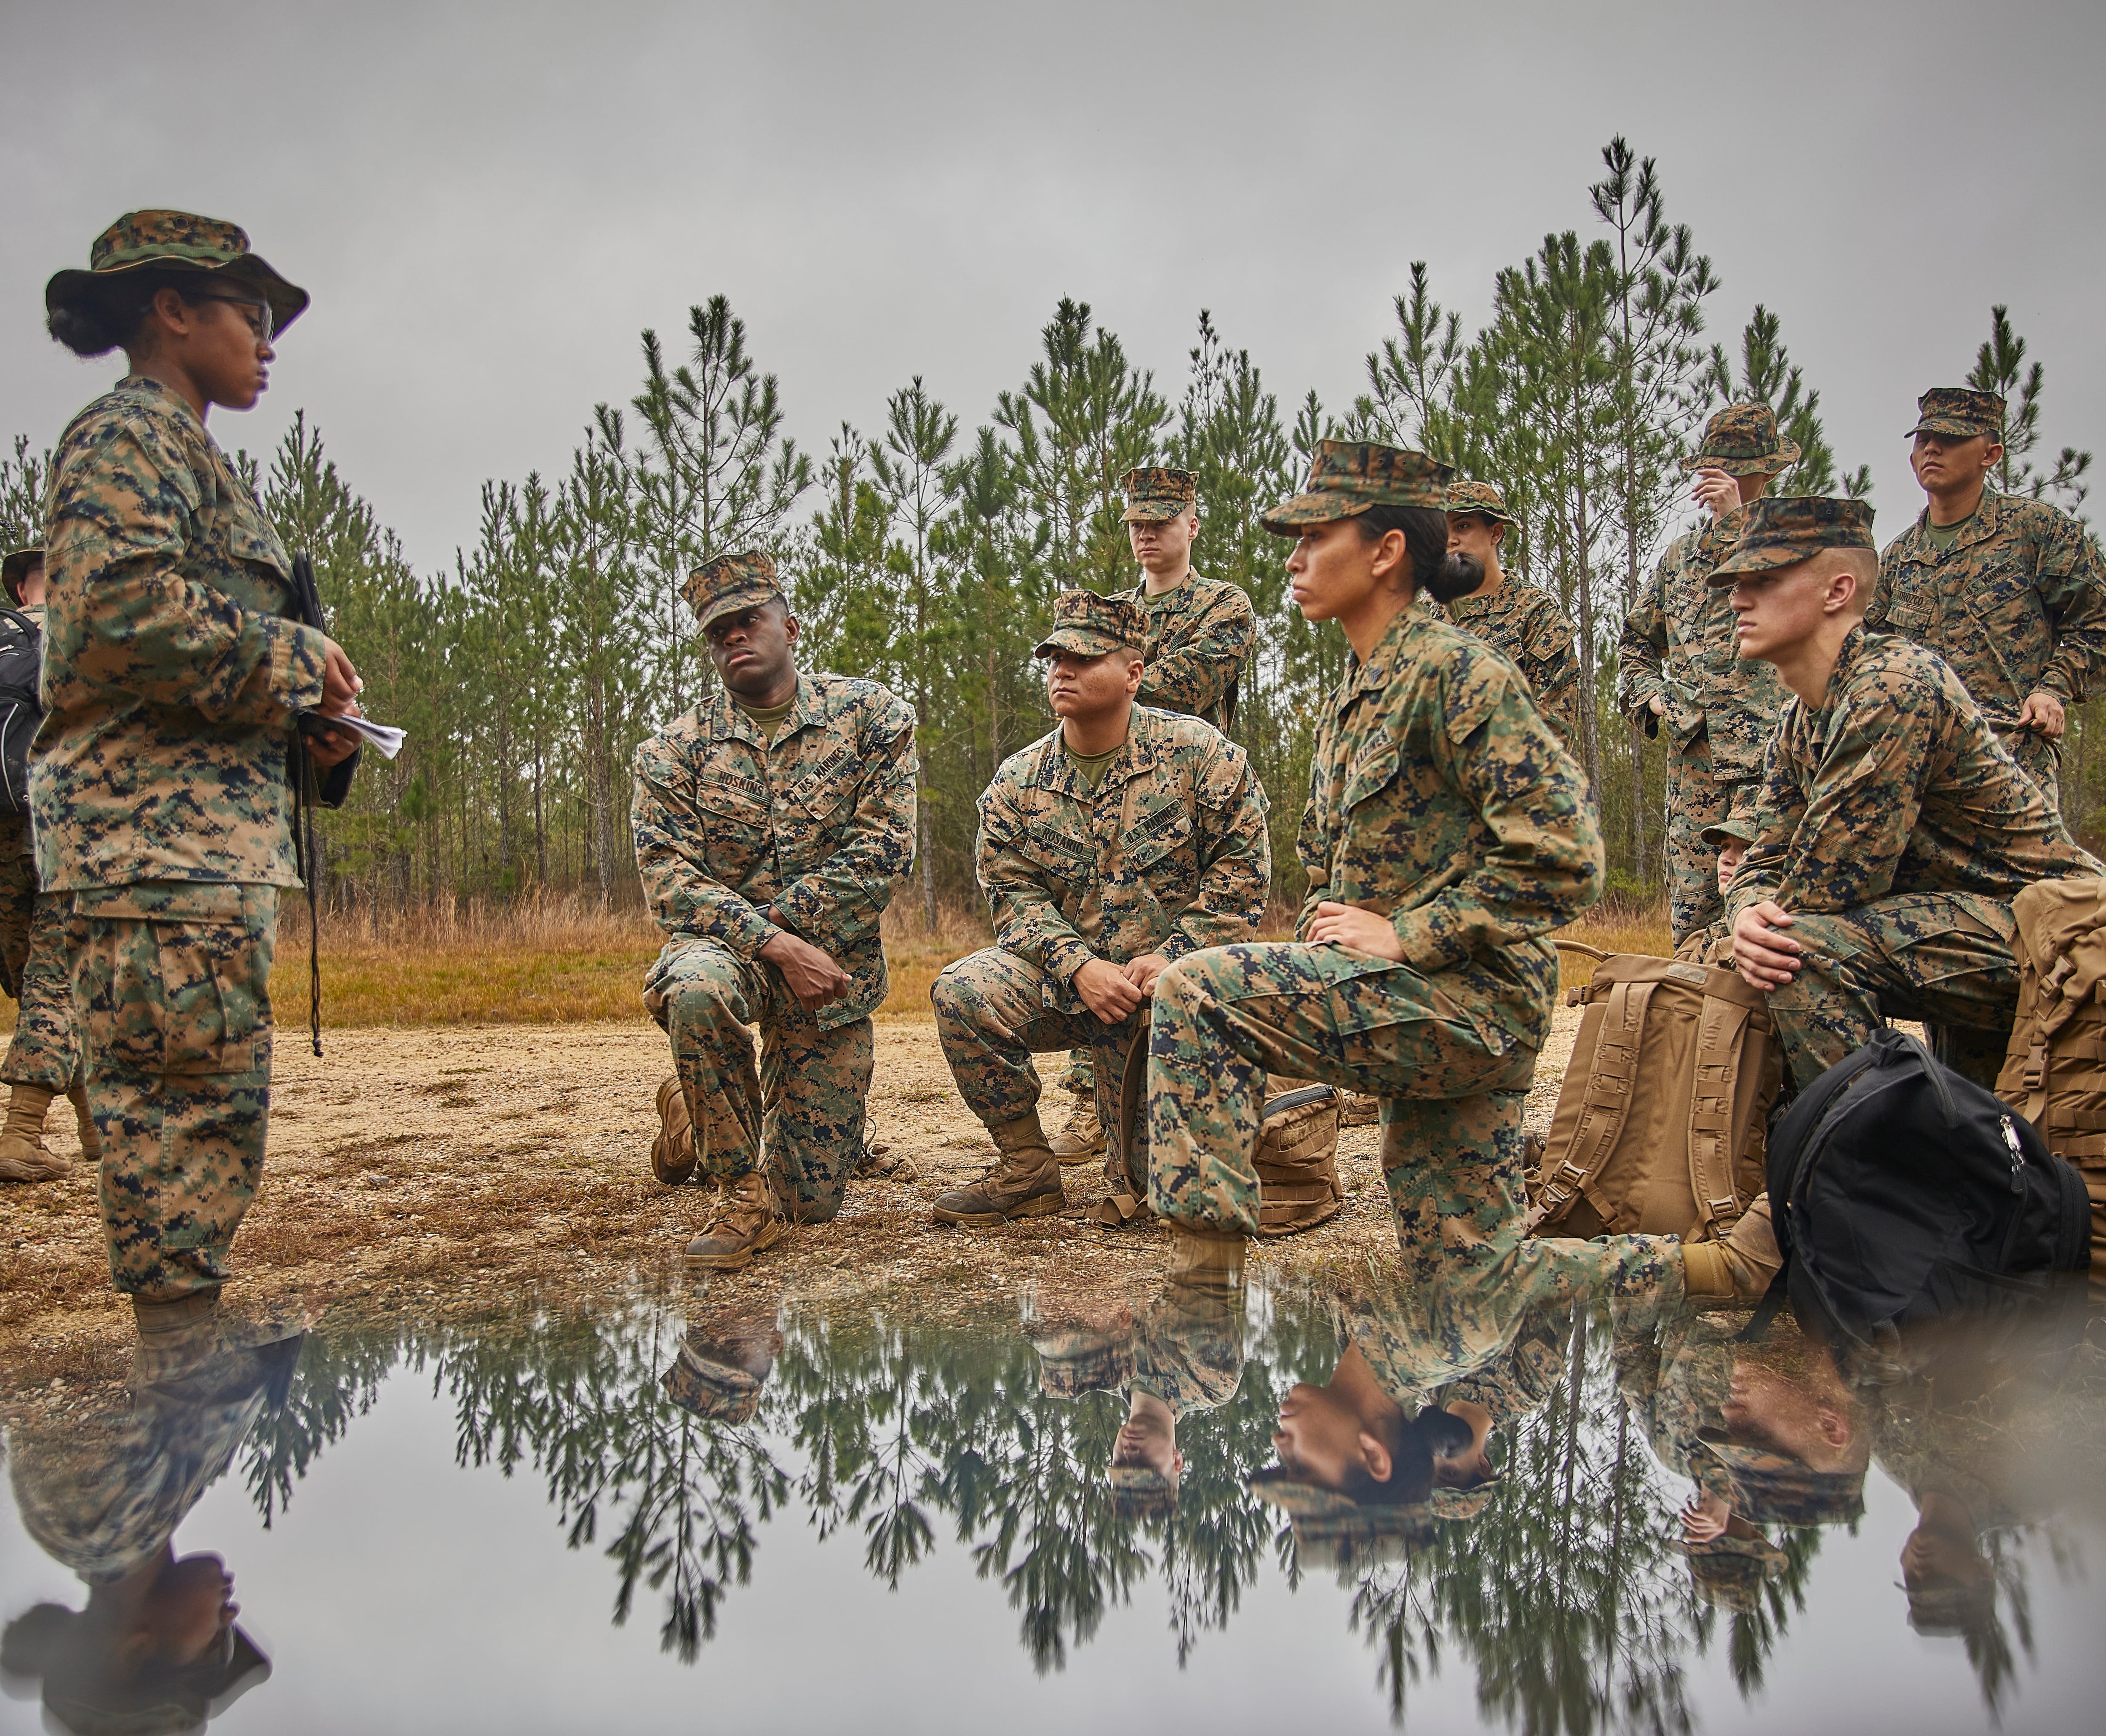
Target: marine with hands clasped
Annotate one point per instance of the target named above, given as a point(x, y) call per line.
point(1681, 666)
point(1121, 843)
point(1892, 828)
point(772, 824)
point(2011, 592)
point(175, 669)
point(43, 1059)
point(1519, 619)
point(1447, 831)
point(1199, 636)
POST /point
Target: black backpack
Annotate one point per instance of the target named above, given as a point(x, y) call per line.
point(21, 707)
point(1902, 1193)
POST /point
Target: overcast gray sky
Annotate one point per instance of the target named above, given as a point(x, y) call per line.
point(490, 202)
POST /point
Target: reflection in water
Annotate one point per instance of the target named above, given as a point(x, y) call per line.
point(1574, 1507)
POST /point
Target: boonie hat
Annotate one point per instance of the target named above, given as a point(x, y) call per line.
point(1961, 411)
point(727, 582)
point(1783, 530)
point(176, 241)
point(1154, 494)
point(1089, 625)
point(1481, 498)
point(1742, 440)
point(1347, 476)
point(16, 567)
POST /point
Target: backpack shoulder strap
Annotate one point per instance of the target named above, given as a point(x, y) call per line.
point(1720, 1027)
point(1611, 1077)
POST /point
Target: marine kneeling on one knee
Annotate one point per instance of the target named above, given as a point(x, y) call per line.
point(1122, 841)
point(772, 823)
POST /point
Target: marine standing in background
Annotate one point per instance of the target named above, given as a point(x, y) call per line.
point(1520, 620)
point(1681, 663)
point(1111, 847)
point(772, 823)
point(1199, 636)
point(2011, 592)
point(161, 795)
point(43, 1058)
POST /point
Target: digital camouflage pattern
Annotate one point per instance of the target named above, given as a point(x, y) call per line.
point(1440, 797)
point(176, 240)
point(172, 665)
point(1347, 476)
point(43, 1050)
point(1675, 1372)
point(1743, 440)
point(737, 842)
point(1184, 1345)
point(1780, 530)
point(1168, 854)
point(1089, 625)
point(1153, 493)
point(1196, 640)
point(1679, 645)
point(1960, 411)
point(2017, 606)
point(1466, 497)
point(171, 991)
point(1895, 829)
point(1523, 623)
point(732, 581)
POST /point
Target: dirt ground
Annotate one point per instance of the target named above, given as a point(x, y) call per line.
point(456, 1170)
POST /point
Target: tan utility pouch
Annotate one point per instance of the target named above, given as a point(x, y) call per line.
point(2054, 1071)
point(1662, 1120)
point(1296, 1158)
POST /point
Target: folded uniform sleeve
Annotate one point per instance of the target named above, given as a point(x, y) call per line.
point(671, 859)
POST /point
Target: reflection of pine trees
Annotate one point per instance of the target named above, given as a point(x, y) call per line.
point(336, 1379)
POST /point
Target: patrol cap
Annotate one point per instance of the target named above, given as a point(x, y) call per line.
point(16, 567)
point(1773, 1488)
point(176, 241)
point(1742, 440)
point(1334, 1530)
point(1154, 494)
point(1783, 530)
point(1961, 411)
point(720, 1371)
point(726, 582)
point(1728, 1572)
point(1481, 499)
point(1089, 625)
point(1347, 476)
point(1142, 1491)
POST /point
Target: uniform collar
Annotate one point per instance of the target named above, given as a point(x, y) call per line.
point(1987, 520)
point(727, 722)
point(1391, 651)
point(1846, 659)
point(1143, 746)
point(1715, 537)
point(141, 386)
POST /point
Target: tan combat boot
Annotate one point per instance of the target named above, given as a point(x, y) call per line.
point(83, 1123)
point(1736, 1272)
point(747, 1220)
point(1081, 1136)
point(175, 1338)
point(1025, 1183)
point(1357, 1109)
point(673, 1155)
point(1207, 1260)
point(23, 1156)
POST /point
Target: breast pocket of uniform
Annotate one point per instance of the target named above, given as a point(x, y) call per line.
point(1904, 604)
point(2003, 600)
point(1156, 844)
point(1062, 859)
point(733, 810)
point(1372, 774)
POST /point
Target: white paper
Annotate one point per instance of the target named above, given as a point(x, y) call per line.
point(384, 736)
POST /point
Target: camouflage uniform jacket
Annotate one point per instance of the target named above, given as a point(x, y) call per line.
point(1675, 1373)
point(171, 670)
point(1168, 855)
point(1678, 643)
point(1200, 638)
point(1896, 785)
point(1438, 797)
point(2016, 605)
point(737, 841)
point(1523, 623)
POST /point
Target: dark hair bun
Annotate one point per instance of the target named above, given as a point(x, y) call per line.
point(1457, 576)
point(84, 327)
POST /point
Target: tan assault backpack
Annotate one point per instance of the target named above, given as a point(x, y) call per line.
point(1297, 1158)
point(2054, 1071)
point(1662, 1119)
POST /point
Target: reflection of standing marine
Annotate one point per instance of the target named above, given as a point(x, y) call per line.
point(42, 1059)
point(174, 669)
point(772, 823)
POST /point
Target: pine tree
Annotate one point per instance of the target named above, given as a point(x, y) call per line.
point(24, 479)
point(2000, 366)
point(1768, 375)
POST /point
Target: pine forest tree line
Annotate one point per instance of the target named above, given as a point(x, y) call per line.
point(924, 555)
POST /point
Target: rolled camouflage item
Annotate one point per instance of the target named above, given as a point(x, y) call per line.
point(1784, 529)
point(1142, 1491)
point(176, 241)
point(1728, 1572)
point(16, 567)
point(1960, 411)
point(1743, 440)
point(727, 582)
point(1089, 625)
point(1154, 494)
point(1348, 476)
point(1467, 499)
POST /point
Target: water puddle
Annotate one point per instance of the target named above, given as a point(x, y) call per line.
point(1064, 1517)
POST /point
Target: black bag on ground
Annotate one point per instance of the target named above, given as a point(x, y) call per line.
point(1901, 1193)
point(21, 706)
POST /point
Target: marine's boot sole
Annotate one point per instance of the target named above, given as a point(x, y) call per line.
point(739, 1258)
point(1038, 1205)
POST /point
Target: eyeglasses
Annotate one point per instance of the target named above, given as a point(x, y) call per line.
point(257, 309)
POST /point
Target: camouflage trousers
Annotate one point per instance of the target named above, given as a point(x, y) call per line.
point(1942, 957)
point(32, 968)
point(172, 998)
point(1695, 799)
point(18, 902)
point(1452, 1098)
point(2039, 758)
point(991, 1017)
point(802, 1115)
